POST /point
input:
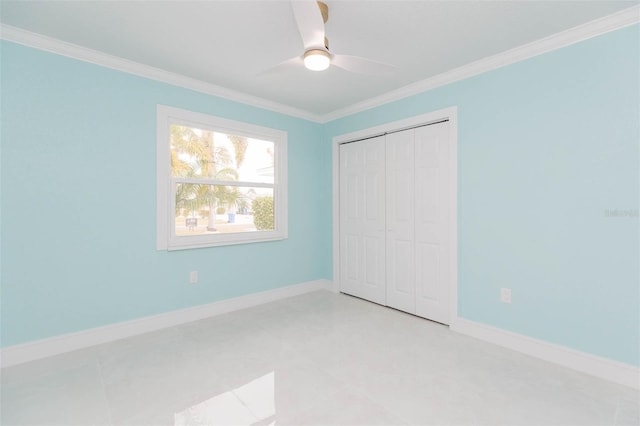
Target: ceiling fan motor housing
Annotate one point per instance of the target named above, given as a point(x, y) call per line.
point(317, 59)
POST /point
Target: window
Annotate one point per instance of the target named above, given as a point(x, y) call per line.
point(219, 181)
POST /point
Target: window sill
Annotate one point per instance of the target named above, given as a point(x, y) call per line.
point(185, 243)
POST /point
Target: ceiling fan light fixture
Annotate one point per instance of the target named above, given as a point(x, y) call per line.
point(317, 59)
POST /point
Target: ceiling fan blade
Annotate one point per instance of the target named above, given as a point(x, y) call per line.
point(310, 23)
point(361, 65)
point(282, 67)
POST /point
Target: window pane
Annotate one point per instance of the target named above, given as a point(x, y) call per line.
point(199, 153)
point(217, 209)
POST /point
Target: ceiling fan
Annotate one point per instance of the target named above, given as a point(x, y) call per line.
point(310, 16)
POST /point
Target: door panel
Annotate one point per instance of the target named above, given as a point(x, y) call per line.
point(432, 221)
point(400, 221)
point(362, 219)
point(427, 269)
point(350, 188)
point(351, 252)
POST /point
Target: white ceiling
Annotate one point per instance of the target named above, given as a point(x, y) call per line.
point(229, 43)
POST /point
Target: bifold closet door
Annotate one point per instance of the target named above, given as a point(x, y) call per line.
point(362, 219)
point(417, 260)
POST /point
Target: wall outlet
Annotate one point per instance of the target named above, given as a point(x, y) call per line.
point(193, 277)
point(505, 295)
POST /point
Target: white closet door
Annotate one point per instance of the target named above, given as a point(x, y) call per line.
point(362, 219)
point(400, 221)
point(432, 192)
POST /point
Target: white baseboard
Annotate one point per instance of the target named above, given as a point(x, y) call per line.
point(603, 368)
point(26, 352)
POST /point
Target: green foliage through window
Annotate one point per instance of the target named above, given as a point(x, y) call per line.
point(263, 213)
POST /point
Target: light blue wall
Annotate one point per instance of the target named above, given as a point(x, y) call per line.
point(546, 147)
point(79, 202)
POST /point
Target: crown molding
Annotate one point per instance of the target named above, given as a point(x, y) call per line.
point(48, 44)
point(618, 20)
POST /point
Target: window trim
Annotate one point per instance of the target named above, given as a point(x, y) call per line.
point(165, 183)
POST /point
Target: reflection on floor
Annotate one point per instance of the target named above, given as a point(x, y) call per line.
point(319, 358)
point(250, 404)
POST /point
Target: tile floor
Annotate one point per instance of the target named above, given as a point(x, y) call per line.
point(319, 358)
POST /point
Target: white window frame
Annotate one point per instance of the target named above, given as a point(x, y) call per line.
point(166, 239)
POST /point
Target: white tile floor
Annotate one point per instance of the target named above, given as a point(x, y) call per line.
point(318, 358)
